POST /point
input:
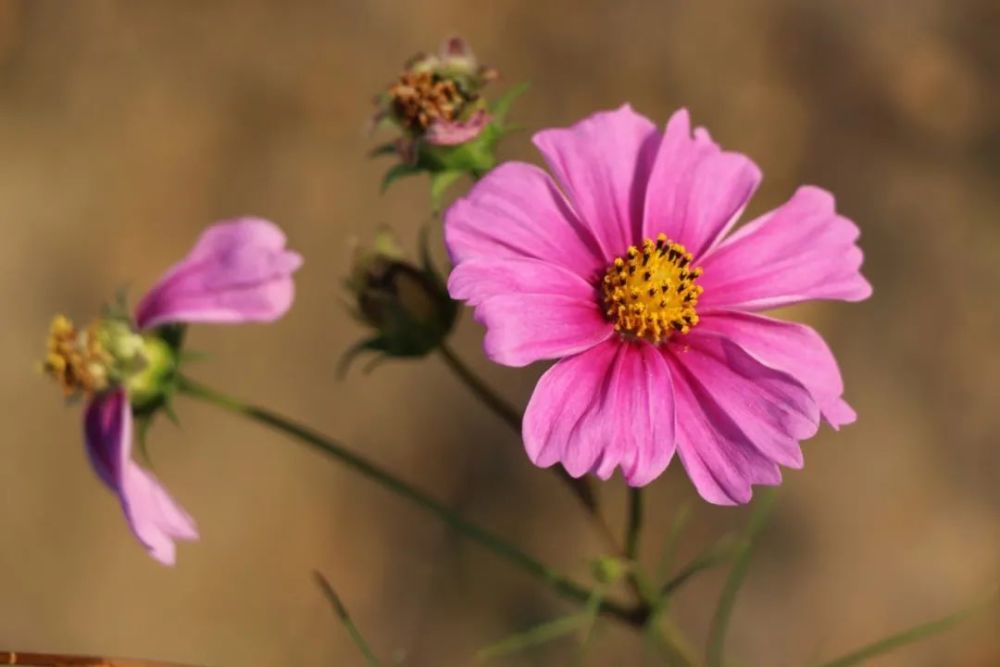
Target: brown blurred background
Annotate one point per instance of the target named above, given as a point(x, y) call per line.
point(126, 127)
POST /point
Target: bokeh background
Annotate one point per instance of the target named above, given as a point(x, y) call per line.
point(126, 127)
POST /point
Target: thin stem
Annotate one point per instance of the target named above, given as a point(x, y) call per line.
point(563, 585)
point(634, 522)
point(345, 618)
point(580, 487)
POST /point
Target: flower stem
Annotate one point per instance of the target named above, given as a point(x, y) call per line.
point(580, 487)
point(634, 522)
point(568, 588)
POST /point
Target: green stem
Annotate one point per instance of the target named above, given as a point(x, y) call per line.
point(561, 584)
point(634, 522)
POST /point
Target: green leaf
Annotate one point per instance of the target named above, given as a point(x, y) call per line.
point(390, 148)
point(908, 636)
point(397, 172)
point(440, 182)
point(341, 611)
point(724, 611)
point(540, 634)
point(502, 106)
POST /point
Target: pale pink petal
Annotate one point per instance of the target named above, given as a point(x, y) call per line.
point(517, 211)
point(238, 271)
point(696, 191)
point(154, 517)
point(737, 418)
point(802, 250)
point(524, 328)
point(789, 347)
point(453, 133)
point(478, 279)
point(603, 163)
point(611, 406)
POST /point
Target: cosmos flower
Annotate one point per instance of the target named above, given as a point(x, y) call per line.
point(628, 272)
point(238, 271)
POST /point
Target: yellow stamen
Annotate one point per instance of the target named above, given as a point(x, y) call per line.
point(76, 360)
point(650, 292)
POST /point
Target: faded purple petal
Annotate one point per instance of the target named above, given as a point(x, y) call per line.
point(738, 419)
point(793, 348)
point(453, 133)
point(238, 271)
point(802, 250)
point(609, 407)
point(603, 163)
point(154, 517)
point(696, 191)
point(517, 211)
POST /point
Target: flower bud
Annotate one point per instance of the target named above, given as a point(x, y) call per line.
point(445, 125)
point(407, 305)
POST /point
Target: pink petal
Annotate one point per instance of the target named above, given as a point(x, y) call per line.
point(524, 328)
point(238, 271)
point(516, 211)
point(453, 133)
point(611, 406)
point(603, 163)
point(154, 517)
point(789, 347)
point(737, 418)
point(478, 279)
point(802, 250)
point(696, 191)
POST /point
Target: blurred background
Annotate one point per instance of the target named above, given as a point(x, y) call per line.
point(126, 127)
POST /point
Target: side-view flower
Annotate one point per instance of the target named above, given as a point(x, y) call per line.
point(627, 274)
point(125, 367)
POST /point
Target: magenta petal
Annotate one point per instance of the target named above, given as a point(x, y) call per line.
point(611, 406)
point(696, 191)
point(452, 133)
point(737, 418)
point(792, 348)
point(524, 328)
point(238, 271)
point(154, 517)
point(603, 163)
point(516, 211)
point(478, 279)
point(802, 250)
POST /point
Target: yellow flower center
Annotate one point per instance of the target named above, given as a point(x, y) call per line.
point(650, 292)
point(76, 360)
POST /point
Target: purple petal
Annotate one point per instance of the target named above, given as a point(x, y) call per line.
point(516, 211)
point(238, 271)
point(696, 191)
point(737, 418)
point(800, 251)
point(524, 328)
point(611, 406)
point(792, 348)
point(154, 517)
point(603, 163)
point(453, 133)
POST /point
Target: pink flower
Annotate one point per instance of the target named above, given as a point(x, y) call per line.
point(630, 277)
point(238, 271)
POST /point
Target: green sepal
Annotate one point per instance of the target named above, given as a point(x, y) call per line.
point(440, 182)
point(397, 172)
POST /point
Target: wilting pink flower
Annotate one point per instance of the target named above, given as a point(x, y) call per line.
point(453, 133)
point(629, 276)
point(238, 271)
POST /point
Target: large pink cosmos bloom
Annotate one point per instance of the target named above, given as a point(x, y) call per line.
point(238, 271)
point(627, 273)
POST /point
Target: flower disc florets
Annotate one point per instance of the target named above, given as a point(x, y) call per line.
point(650, 292)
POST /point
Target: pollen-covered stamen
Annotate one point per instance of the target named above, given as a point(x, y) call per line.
point(88, 361)
point(76, 359)
point(650, 292)
point(420, 98)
